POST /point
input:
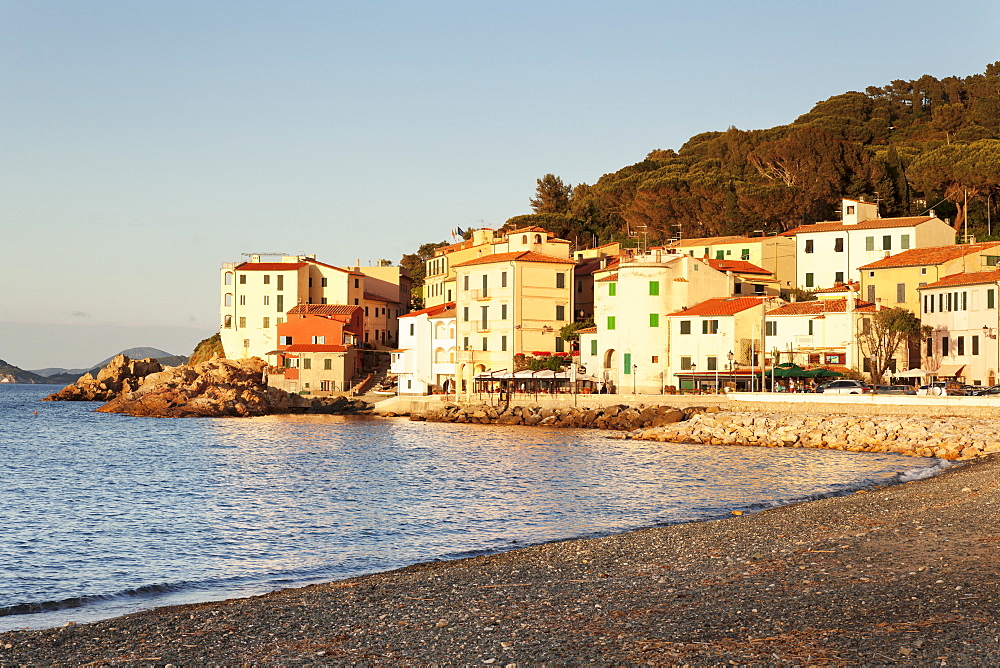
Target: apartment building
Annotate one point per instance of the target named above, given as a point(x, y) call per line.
point(425, 360)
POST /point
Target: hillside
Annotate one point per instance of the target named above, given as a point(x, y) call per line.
point(12, 374)
point(910, 145)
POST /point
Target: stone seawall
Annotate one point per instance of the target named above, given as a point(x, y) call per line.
point(947, 438)
point(617, 417)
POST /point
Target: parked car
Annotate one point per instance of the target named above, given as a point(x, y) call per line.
point(844, 387)
point(942, 389)
point(983, 391)
point(893, 389)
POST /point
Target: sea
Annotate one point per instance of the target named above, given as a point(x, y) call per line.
point(102, 515)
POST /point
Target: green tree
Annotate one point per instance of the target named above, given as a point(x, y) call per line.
point(551, 195)
point(948, 118)
point(414, 264)
point(881, 334)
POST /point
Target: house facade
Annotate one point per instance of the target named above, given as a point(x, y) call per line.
point(828, 253)
point(775, 254)
point(819, 332)
point(425, 361)
point(317, 349)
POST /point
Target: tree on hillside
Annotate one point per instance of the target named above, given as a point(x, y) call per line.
point(960, 172)
point(414, 263)
point(948, 118)
point(551, 195)
point(881, 334)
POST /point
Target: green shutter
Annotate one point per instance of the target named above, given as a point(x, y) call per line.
point(654, 288)
point(628, 363)
point(869, 243)
point(612, 289)
point(593, 347)
point(654, 319)
point(611, 322)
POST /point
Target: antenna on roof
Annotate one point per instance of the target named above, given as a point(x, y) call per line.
point(263, 253)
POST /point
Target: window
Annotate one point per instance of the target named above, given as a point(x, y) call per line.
point(229, 278)
point(712, 363)
point(869, 243)
point(228, 322)
point(654, 288)
point(810, 282)
point(579, 286)
point(887, 242)
point(267, 300)
point(322, 282)
point(737, 288)
point(758, 288)
point(809, 246)
point(871, 293)
point(357, 282)
point(560, 345)
point(284, 340)
point(720, 255)
point(770, 328)
point(366, 311)
point(960, 345)
point(503, 311)
point(685, 364)
point(267, 279)
point(560, 312)
point(281, 281)
point(975, 345)
point(465, 282)
point(307, 363)
point(503, 343)
point(483, 312)
point(709, 326)
point(243, 279)
point(612, 289)
point(465, 343)
point(900, 293)
point(593, 347)
point(904, 242)
point(327, 364)
point(485, 347)
point(503, 279)
point(838, 277)
point(654, 319)
point(412, 328)
point(850, 209)
point(965, 301)
point(655, 359)
point(685, 326)
point(243, 323)
point(611, 322)
point(266, 323)
point(281, 304)
point(560, 280)
point(627, 360)
point(991, 298)
point(930, 347)
point(944, 345)
point(838, 245)
point(229, 299)
point(745, 254)
point(243, 300)
point(465, 313)
point(486, 285)
point(991, 260)
point(811, 323)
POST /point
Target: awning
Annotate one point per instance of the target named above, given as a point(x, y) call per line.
point(912, 373)
point(949, 370)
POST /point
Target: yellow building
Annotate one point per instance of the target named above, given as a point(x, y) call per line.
point(893, 281)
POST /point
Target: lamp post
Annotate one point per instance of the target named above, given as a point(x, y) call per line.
point(732, 369)
point(694, 368)
point(635, 368)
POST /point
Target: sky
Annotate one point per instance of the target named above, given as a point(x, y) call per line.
point(142, 144)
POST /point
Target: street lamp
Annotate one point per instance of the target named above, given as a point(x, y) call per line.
point(732, 369)
point(635, 368)
point(694, 368)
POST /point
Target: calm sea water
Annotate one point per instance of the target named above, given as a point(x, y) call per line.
point(106, 514)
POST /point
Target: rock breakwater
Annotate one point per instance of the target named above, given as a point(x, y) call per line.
point(121, 374)
point(619, 417)
point(947, 438)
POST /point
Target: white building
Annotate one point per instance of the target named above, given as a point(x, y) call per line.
point(820, 332)
point(828, 253)
point(962, 311)
point(425, 361)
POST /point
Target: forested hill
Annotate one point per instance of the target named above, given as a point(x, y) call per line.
point(911, 145)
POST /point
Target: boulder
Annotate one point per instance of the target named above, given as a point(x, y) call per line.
point(120, 375)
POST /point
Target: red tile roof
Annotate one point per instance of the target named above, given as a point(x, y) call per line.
point(323, 309)
point(973, 278)
point(736, 266)
point(518, 256)
point(933, 255)
point(709, 241)
point(587, 330)
point(874, 224)
point(843, 287)
point(330, 266)
point(449, 313)
point(609, 278)
point(270, 266)
point(821, 306)
point(372, 297)
point(313, 348)
point(726, 306)
point(430, 310)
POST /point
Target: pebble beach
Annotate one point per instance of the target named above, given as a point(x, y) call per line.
point(895, 575)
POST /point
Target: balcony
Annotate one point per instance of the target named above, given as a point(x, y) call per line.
point(479, 295)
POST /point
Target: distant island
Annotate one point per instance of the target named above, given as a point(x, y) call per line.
point(60, 376)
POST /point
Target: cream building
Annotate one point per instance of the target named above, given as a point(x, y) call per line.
point(819, 332)
point(776, 254)
point(425, 361)
point(961, 309)
point(828, 253)
point(895, 280)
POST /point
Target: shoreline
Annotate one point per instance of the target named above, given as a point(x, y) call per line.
point(893, 574)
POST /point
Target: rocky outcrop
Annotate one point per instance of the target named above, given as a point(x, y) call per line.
point(947, 438)
point(219, 388)
point(120, 375)
point(618, 417)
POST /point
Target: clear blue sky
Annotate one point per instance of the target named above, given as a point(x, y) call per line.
point(144, 143)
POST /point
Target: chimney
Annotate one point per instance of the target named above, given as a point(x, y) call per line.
point(933, 215)
point(255, 258)
point(850, 301)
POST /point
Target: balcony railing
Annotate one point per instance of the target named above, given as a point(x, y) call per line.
point(479, 295)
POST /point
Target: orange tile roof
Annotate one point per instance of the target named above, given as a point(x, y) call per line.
point(270, 266)
point(323, 309)
point(430, 310)
point(372, 297)
point(821, 306)
point(874, 224)
point(518, 256)
point(722, 306)
point(312, 348)
point(933, 255)
point(449, 313)
point(851, 286)
point(709, 241)
point(587, 330)
point(608, 279)
point(972, 278)
point(736, 266)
